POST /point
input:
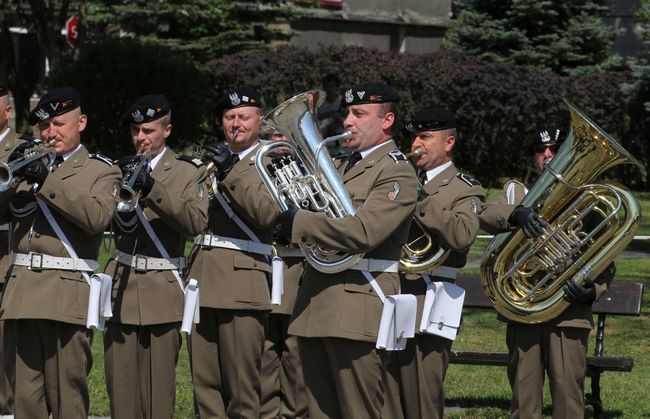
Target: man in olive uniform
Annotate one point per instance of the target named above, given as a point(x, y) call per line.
point(58, 219)
point(336, 316)
point(142, 340)
point(447, 209)
point(283, 386)
point(559, 346)
point(231, 263)
point(8, 142)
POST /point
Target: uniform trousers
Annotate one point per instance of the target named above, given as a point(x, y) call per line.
point(140, 367)
point(53, 360)
point(416, 377)
point(344, 378)
point(7, 366)
point(226, 355)
point(561, 352)
point(283, 386)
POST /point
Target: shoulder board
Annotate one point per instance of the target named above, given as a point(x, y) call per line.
point(98, 156)
point(195, 161)
point(25, 137)
point(397, 155)
point(468, 179)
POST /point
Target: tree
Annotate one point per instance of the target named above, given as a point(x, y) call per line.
point(567, 37)
point(204, 28)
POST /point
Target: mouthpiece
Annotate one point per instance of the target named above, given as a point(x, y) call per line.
point(415, 153)
point(235, 133)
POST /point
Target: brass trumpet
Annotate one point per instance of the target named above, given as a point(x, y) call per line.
point(421, 253)
point(37, 151)
point(128, 196)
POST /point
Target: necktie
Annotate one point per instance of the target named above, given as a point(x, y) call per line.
point(235, 158)
point(57, 161)
point(352, 160)
point(422, 177)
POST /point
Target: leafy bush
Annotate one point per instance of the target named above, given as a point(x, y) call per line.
point(499, 107)
point(111, 74)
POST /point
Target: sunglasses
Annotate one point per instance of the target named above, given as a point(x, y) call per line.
point(540, 148)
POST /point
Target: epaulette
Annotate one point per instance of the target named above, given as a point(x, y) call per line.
point(397, 155)
point(468, 179)
point(98, 156)
point(194, 160)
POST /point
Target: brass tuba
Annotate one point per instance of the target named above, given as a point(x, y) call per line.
point(309, 178)
point(524, 277)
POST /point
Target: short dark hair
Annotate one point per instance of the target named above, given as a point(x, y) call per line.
point(385, 108)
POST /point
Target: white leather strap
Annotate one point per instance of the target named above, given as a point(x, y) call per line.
point(376, 265)
point(38, 261)
point(212, 240)
point(145, 263)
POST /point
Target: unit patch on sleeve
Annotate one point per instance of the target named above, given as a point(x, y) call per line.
point(469, 180)
point(397, 155)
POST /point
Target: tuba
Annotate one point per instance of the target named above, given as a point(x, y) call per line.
point(309, 178)
point(588, 224)
point(36, 152)
point(421, 254)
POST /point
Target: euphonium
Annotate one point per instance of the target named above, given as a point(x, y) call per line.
point(128, 196)
point(588, 224)
point(36, 152)
point(309, 179)
point(421, 253)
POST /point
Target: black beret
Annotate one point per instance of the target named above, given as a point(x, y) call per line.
point(431, 119)
point(55, 102)
point(146, 109)
point(3, 90)
point(547, 137)
point(370, 93)
point(238, 98)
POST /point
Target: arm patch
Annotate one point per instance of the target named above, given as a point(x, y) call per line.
point(99, 157)
point(397, 155)
point(193, 160)
point(468, 179)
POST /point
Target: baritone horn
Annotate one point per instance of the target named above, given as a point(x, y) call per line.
point(588, 224)
point(420, 253)
point(37, 151)
point(308, 178)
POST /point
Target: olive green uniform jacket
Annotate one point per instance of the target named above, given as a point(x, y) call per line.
point(383, 189)
point(177, 209)
point(80, 196)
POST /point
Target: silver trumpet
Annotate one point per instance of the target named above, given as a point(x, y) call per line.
point(128, 196)
point(308, 178)
point(38, 151)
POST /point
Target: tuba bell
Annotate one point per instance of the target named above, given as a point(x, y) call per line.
point(308, 178)
point(588, 224)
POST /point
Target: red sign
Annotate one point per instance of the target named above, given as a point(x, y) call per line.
point(72, 30)
point(335, 3)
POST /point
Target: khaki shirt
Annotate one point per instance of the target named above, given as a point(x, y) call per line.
point(80, 196)
point(449, 214)
point(177, 209)
point(494, 219)
point(383, 189)
point(233, 279)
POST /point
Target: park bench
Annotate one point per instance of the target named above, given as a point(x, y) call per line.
point(622, 299)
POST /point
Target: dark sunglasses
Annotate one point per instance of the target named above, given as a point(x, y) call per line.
point(540, 148)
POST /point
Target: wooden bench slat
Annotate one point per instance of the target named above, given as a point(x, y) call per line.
point(605, 363)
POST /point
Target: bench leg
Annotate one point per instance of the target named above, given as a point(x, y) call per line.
point(596, 402)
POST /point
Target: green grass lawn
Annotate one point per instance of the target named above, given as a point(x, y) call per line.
point(483, 392)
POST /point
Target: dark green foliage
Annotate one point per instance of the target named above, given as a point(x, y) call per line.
point(499, 107)
point(204, 28)
point(567, 37)
point(111, 74)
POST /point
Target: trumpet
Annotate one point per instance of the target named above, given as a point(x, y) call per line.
point(37, 151)
point(128, 196)
point(421, 253)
